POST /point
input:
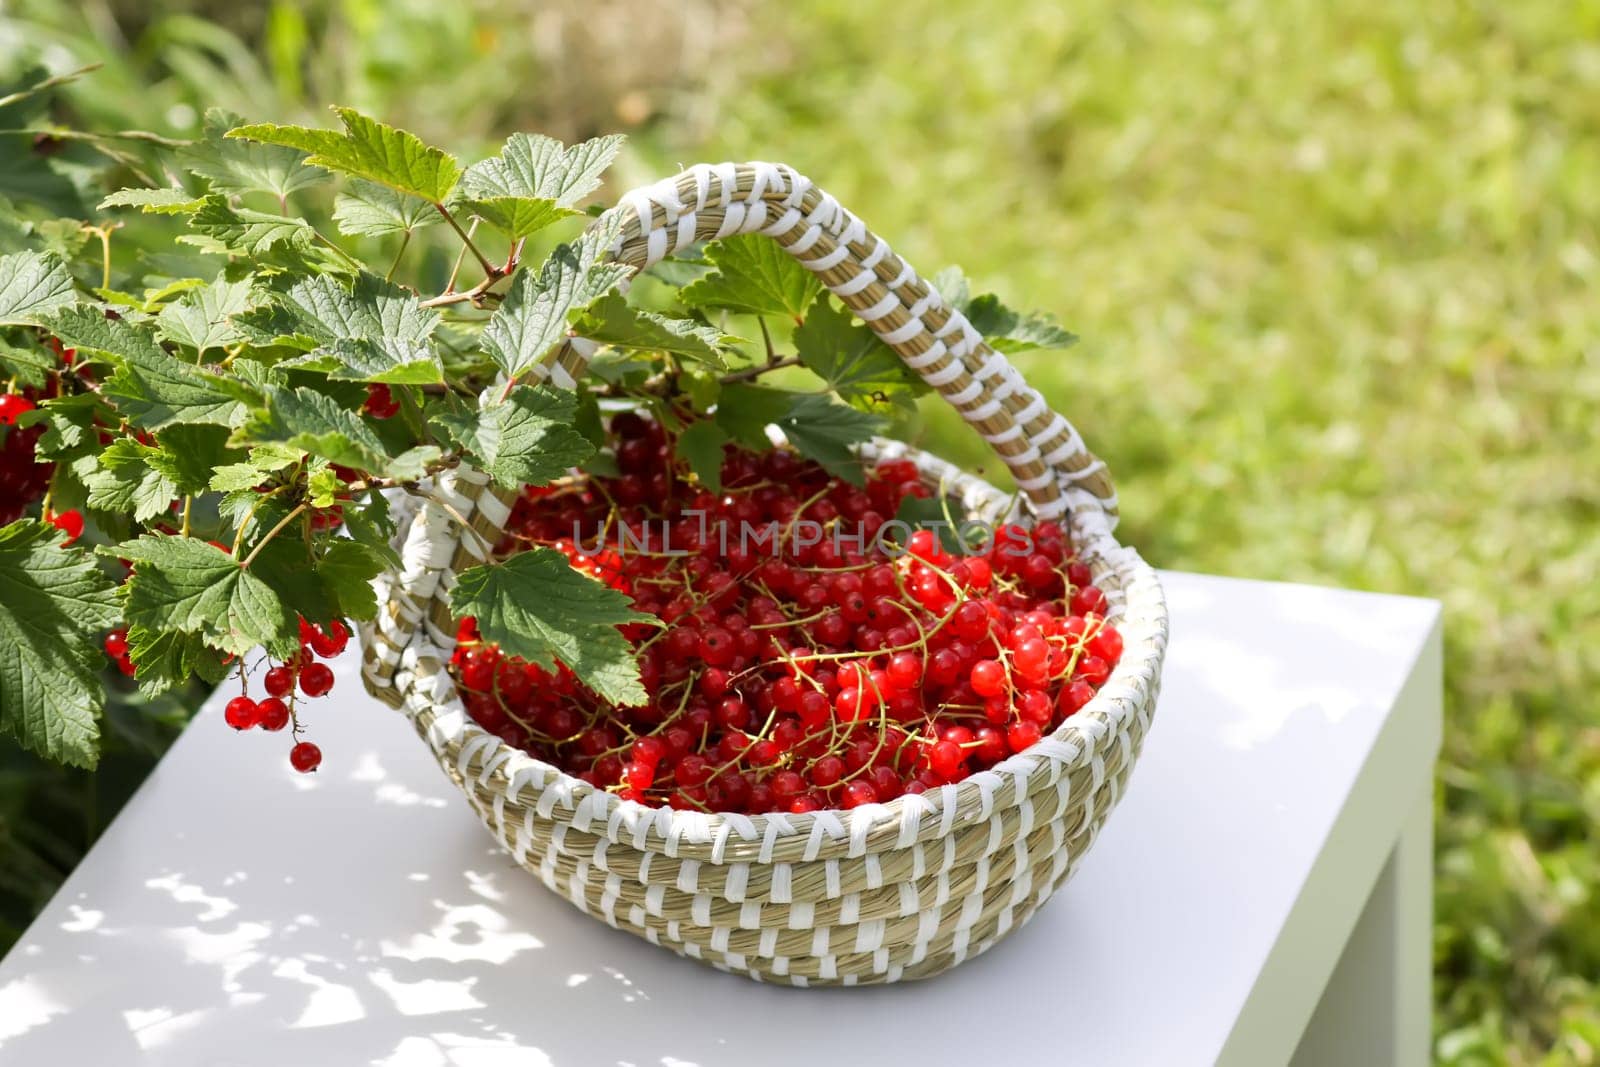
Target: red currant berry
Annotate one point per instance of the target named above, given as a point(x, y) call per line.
point(787, 784)
point(988, 678)
point(1022, 735)
point(12, 407)
point(692, 770)
point(1032, 659)
point(639, 775)
point(1088, 600)
point(716, 646)
point(813, 709)
point(991, 747)
point(944, 667)
point(69, 522)
point(649, 750)
point(827, 771)
point(1034, 706)
point(905, 669)
point(947, 760)
point(1107, 644)
point(279, 682)
point(1074, 697)
point(971, 621)
point(1094, 670)
point(240, 713)
point(117, 643)
point(316, 679)
point(859, 792)
point(1038, 571)
point(305, 757)
point(272, 714)
point(381, 403)
point(329, 640)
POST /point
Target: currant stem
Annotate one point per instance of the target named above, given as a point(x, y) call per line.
point(752, 373)
point(466, 238)
point(254, 552)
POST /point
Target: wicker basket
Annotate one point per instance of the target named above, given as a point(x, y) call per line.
point(880, 893)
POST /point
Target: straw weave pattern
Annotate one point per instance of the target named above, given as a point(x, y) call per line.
point(879, 893)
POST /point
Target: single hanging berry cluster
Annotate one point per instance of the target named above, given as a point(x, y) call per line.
point(279, 707)
point(793, 674)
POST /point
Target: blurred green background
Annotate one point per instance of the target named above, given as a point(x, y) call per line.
point(1334, 267)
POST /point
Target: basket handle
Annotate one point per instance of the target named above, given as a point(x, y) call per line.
point(1046, 455)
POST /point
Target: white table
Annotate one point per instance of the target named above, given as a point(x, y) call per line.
point(1263, 888)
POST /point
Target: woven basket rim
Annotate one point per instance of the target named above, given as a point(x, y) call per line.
point(1090, 534)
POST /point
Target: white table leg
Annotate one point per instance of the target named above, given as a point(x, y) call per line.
point(1377, 1004)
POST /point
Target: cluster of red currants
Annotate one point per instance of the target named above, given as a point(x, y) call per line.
point(23, 479)
point(314, 679)
point(794, 673)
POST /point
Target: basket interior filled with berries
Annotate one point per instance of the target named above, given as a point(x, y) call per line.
point(620, 523)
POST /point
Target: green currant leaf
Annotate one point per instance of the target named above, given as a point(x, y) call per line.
point(247, 232)
point(30, 366)
point(824, 431)
point(187, 585)
point(33, 285)
point(528, 439)
point(1005, 330)
point(323, 487)
point(390, 360)
point(536, 313)
point(314, 422)
point(535, 181)
point(370, 331)
point(153, 299)
point(700, 446)
point(754, 276)
point(367, 209)
point(290, 568)
point(167, 201)
point(613, 321)
point(150, 388)
point(127, 483)
point(369, 524)
point(849, 357)
point(535, 605)
point(1011, 331)
point(347, 569)
point(188, 455)
point(69, 426)
point(532, 166)
point(166, 659)
point(517, 216)
point(238, 167)
point(745, 412)
point(263, 462)
point(367, 149)
point(201, 318)
point(55, 606)
point(28, 178)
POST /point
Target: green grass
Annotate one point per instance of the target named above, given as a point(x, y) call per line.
point(1334, 267)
